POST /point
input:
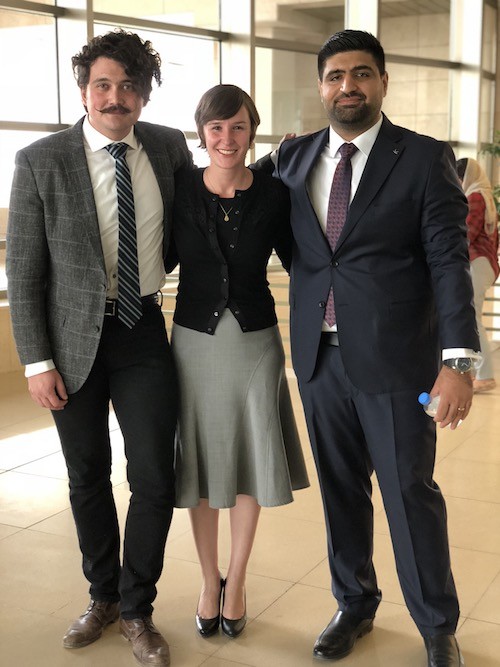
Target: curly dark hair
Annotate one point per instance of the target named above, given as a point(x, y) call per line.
point(140, 61)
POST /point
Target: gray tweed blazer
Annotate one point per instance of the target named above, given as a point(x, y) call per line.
point(55, 265)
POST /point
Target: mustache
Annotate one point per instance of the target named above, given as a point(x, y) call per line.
point(114, 108)
point(348, 96)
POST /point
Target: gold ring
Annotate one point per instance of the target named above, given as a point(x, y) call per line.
point(461, 409)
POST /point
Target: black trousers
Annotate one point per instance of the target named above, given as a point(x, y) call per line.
point(352, 434)
point(134, 369)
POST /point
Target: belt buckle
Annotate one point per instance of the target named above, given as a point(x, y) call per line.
point(110, 308)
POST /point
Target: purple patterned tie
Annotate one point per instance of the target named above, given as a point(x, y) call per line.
point(338, 205)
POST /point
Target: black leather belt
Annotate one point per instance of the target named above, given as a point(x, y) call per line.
point(111, 307)
point(330, 338)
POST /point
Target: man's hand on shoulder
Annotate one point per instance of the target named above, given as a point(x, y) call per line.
point(48, 390)
point(287, 136)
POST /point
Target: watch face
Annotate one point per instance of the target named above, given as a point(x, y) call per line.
point(463, 365)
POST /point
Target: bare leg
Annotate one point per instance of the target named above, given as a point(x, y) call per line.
point(205, 524)
point(243, 517)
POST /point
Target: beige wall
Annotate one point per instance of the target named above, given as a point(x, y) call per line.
point(8, 355)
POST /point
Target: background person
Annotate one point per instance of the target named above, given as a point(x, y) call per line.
point(380, 292)
point(482, 234)
point(75, 332)
point(238, 445)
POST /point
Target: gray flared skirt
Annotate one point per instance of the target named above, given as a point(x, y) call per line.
point(237, 432)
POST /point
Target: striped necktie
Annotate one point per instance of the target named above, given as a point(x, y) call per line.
point(129, 291)
point(338, 206)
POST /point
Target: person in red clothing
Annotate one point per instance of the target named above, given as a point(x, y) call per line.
point(482, 234)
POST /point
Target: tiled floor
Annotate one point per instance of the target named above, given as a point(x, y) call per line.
point(289, 601)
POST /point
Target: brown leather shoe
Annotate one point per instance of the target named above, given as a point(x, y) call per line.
point(90, 625)
point(149, 647)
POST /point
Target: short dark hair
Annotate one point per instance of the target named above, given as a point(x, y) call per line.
point(140, 61)
point(461, 167)
point(222, 102)
point(351, 40)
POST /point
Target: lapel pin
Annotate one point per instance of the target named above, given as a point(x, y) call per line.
point(396, 151)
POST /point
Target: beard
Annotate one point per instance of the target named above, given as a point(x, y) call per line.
point(361, 117)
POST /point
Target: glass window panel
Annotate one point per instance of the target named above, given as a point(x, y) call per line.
point(286, 92)
point(190, 66)
point(418, 98)
point(465, 108)
point(307, 22)
point(10, 143)
point(192, 13)
point(489, 52)
point(487, 106)
point(200, 155)
point(415, 29)
point(29, 81)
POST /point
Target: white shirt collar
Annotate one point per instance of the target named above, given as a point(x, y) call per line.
point(96, 141)
point(364, 142)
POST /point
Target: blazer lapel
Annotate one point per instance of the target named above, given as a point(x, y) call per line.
point(158, 160)
point(308, 161)
point(383, 158)
point(76, 167)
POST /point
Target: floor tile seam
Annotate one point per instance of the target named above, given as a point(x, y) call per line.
point(17, 467)
point(454, 496)
point(33, 527)
point(458, 458)
point(471, 617)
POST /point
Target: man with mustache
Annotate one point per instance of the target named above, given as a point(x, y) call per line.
point(381, 309)
point(89, 226)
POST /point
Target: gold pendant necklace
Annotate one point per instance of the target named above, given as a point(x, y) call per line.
point(226, 213)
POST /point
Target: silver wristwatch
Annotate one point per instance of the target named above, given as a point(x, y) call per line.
point(461, 365)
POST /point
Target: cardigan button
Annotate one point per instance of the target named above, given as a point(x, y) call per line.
point(322, 304)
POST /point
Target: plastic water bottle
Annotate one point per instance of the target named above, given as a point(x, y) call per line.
point(429, 404)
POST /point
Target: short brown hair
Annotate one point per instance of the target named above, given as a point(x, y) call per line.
point(222, 102)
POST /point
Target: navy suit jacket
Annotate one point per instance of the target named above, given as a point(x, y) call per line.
point(400, 271)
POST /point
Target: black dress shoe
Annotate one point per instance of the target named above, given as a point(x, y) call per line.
point(234, 627)
point(443, 651)
point(208, 626)
point(338, 638)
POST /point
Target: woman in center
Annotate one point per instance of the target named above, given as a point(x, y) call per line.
point(238, 445)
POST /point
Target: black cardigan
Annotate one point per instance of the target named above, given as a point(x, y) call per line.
point(212, 279)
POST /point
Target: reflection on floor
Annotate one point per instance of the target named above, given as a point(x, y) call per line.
point(289, 600)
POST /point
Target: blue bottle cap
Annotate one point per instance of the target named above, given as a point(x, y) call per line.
point(424, 398)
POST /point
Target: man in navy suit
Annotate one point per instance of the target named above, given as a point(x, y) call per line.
point(404, 323)
point(64, 278)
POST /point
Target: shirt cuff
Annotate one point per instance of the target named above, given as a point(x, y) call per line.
point(39, 367)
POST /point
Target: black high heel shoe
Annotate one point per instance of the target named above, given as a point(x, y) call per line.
point(208, 626)
point(234, 627)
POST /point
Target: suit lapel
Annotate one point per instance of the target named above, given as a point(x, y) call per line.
point(383, 158)
point(307, 163)
point(76, 167)
point(157, 157)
